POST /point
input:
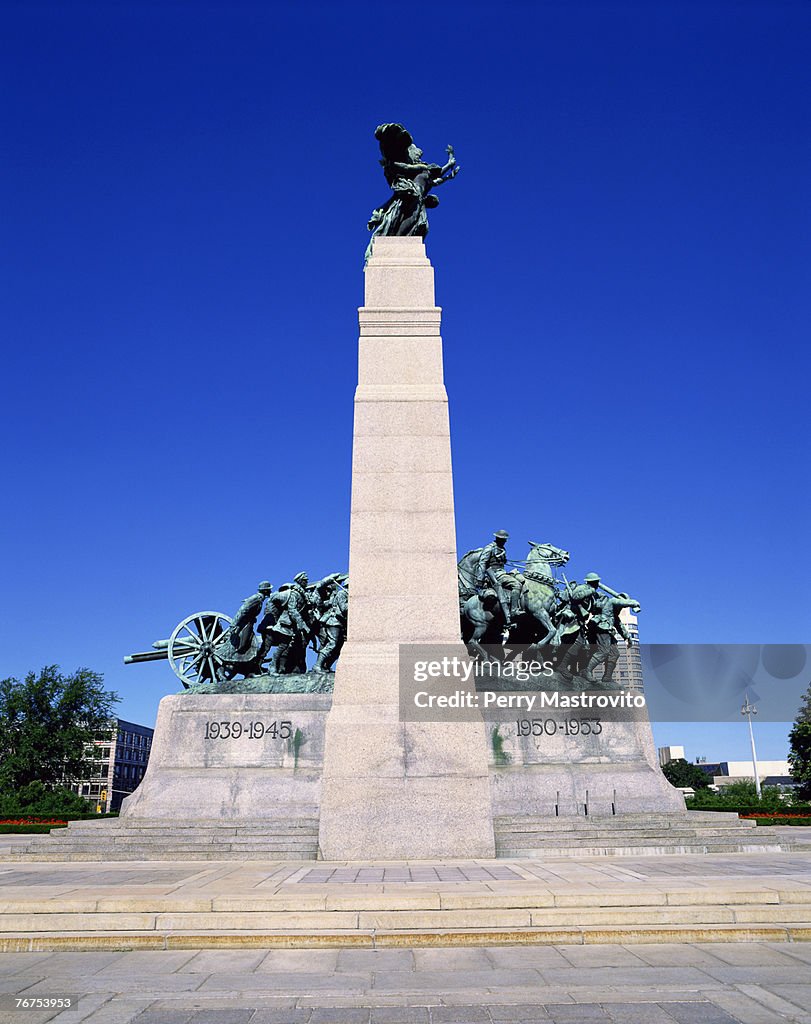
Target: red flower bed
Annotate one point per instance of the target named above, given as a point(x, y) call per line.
point(772, 814)
point(32, 821)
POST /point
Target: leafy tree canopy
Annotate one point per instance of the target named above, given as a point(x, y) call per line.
point(36, 798)
point(45, 723)
point(804, 713)
point(681, 773)
point(799, 757)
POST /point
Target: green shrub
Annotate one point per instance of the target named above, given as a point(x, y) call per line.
point(737, 796)
point(39, 799)
point(778, 819)
point(33, 829)
point(44, 819)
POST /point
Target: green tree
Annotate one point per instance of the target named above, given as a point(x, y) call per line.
point(36, 798)
point(45, 723)
point(799, 756)
point(741, 794)
point(681, 773)
point(744, 792)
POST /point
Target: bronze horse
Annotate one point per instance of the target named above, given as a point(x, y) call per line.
point(481, 615)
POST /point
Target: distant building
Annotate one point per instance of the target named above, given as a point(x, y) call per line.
point(771, 773)
point(120, 754)
point(724, 773)
point(668, 754)
point(628, 672)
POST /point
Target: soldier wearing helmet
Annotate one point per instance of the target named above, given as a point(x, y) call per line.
point(332, 620)
point(241, 635)
point(605, 624)
point(291, 632)
point(492, 567)
point(581, 599)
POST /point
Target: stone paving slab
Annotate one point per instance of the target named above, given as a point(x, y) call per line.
point(614, 985)
point(605, 875)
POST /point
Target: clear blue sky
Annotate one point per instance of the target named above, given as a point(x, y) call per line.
point(623, 263)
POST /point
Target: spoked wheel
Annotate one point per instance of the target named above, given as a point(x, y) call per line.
point(193, 648)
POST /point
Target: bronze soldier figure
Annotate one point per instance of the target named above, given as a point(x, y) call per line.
point(332, 622)
point(492, 567)
point(291, 632)
point(239, 650)
point(246, 617)
point(581, 599)
point(605, 623)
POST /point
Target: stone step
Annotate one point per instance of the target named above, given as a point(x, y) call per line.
point(219, 849)
point(69, 837)
point(90, 835)
point(554, 823)
point(564, 829)
point(530, 842)
point(259, 921)
point(166, 853)
point(270, 842)
point(122, 940)
point(283, 838)
point(610, 835)
point(288, 838)
point(658, 816)
point(619, 834)
point(204, 825)
point(696, 832)
point(118, 844)
point(416, 897)
point(421, 914)
point(638, 851)
point(209, 835)
point(150, 854)
point(691, 817)
point(596, 829)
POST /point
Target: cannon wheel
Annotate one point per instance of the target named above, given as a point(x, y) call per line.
point(193, 646)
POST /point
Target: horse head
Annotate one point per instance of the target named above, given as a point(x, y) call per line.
point(546, 553)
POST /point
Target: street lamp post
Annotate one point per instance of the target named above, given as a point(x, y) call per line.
point(749, 710)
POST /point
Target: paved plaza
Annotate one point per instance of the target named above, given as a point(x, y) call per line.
point(53, 906)
point(420, 942)
point(715, 983)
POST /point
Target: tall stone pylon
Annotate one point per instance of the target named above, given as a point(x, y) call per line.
point(393, 789)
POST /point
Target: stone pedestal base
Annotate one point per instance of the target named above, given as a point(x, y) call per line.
point(236, 756)
point(260, 756)
point(577, 765)
point(395, 789)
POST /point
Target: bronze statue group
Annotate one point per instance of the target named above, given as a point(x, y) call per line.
point(288, 621)
point(505, 609)
point(527, 607)
point(501, 609)
point(411, 180)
